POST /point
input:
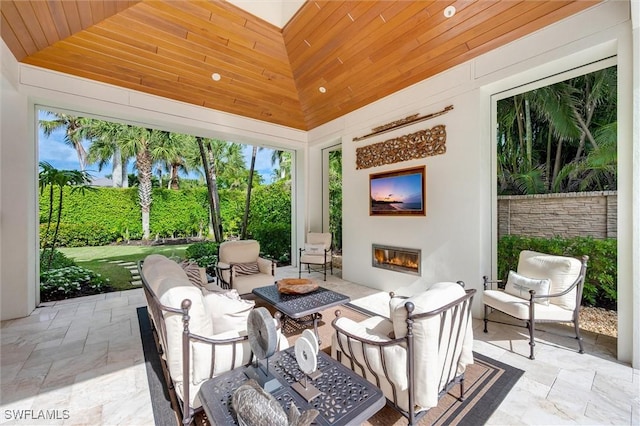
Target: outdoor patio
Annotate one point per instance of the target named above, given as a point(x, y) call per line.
point(80, 361)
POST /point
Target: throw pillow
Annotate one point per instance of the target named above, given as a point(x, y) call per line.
point(519, 285)
point(314, 249)
point(228, 311)
point(246, 268)
point(193, 272)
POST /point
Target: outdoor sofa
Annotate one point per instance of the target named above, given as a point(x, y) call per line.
point(200, 329)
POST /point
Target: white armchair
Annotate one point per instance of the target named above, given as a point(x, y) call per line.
point(240, 266)
point(316, 251)
point(416, 356)
point(545, 288)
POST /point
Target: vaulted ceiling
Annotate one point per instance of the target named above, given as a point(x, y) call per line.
point(357, 51)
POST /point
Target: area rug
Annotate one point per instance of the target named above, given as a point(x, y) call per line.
point(487, 381)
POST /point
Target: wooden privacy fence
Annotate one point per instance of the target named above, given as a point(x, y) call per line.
point(576, 214)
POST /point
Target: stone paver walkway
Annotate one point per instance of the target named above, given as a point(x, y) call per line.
point(136, 281)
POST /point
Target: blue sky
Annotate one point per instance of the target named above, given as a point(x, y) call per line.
point(405, 188)
point(55, 151)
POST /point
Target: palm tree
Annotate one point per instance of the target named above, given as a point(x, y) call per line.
point(543, 131)
point(106, 147)
point(283, 161)
point(171, 154)
point(143, 142)
point(52, 177)
point(232, 171)
point(75, 131)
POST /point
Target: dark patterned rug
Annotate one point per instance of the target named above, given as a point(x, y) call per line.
point(487, 382)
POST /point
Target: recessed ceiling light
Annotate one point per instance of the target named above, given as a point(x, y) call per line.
point(449, 11)
point(322, 89)
point(215, 76)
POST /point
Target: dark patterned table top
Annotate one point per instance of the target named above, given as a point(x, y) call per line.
point(346, 399)
point(301, 305)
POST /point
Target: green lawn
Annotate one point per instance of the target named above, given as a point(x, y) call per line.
point(97, 259)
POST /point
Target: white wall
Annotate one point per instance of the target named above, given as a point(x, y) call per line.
point(18, 266)
point(457, 236)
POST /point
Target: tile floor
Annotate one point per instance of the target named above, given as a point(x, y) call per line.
point(80, 362)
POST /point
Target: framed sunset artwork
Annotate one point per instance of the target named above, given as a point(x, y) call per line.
point(398, 193)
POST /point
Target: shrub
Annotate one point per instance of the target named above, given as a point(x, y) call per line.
point(204, 253)
point(59, 260)
point(81, 235)
point(600, 287)
point(275, 240)
point(71, 281)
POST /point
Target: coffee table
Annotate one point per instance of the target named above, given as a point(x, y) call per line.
point(303, 308)
point(345, 399)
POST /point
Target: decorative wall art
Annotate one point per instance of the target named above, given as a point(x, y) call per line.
point(421, 144)
point(397, 193)
point(412, 119)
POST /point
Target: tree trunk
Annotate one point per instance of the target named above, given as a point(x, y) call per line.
point(125, 175)
point(46, 232)
point(55, 233)
point(586, 133)
point(521, 137)
point(528, 134)
point(143, 159)
point(212, 192)
point(116, 168)
point(548, 159)
point(245, 219)
point(174, 182)
point(556, 164)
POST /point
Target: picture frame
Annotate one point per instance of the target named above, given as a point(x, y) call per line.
point(398, 193)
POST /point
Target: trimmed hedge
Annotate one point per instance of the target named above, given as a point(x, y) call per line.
point(110, 215)
point(600, 287)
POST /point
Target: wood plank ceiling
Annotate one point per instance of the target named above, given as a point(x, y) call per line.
point(359, 51)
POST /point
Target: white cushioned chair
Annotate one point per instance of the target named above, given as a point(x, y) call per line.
point(240, 266)
point(545, 288)
point(317, 251)
point(418, 354)
point(200, 333)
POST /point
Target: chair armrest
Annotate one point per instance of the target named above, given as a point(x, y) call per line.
point(376, 357)
point(380, 343)
point(266, 265)
point(488, 284)
point(220, 268)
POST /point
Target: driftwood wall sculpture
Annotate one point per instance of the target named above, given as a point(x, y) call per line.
point(421, 144)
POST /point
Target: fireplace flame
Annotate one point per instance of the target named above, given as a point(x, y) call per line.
point(396, 258)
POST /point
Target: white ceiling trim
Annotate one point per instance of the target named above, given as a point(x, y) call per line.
point(276, 12)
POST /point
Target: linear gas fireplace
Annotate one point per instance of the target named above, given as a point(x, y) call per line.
point(398, 259)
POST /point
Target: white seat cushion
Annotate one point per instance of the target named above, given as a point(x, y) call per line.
point(172, 295)
point(314, 259)
point(519, 308)
point(562, 271)
point(429, 359)
point(246, 283)
point(395, 357)
point(228, 312)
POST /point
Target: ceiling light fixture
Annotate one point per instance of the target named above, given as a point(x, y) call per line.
point(449, 11)
point(322, 89)
point(215, 76)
